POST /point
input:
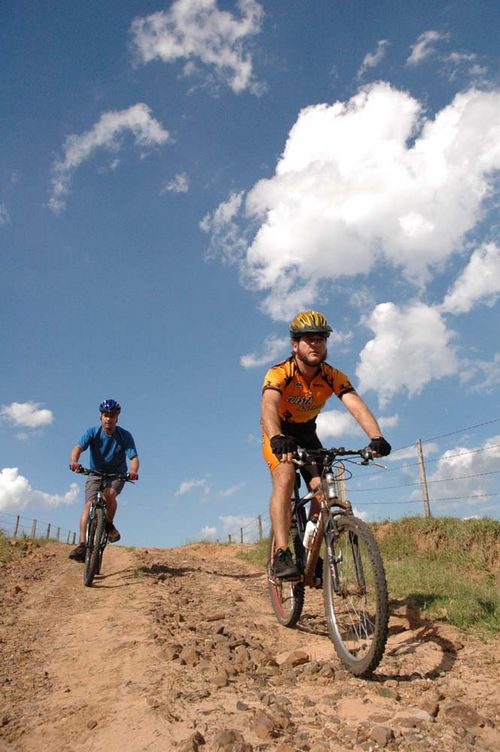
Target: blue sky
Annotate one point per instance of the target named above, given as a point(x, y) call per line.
point(178, 179)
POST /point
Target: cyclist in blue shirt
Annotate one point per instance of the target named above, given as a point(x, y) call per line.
point(110, 446)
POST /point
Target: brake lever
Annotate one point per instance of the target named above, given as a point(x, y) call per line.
point(369, 462)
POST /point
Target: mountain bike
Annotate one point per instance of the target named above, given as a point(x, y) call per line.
point(96, 536)
point(352, 576)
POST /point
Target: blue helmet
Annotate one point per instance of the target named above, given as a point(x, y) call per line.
point(109, 406)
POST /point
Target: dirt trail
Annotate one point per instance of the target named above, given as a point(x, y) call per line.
point(179, 649)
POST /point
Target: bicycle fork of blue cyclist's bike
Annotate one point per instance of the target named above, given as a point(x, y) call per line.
point(97, 504)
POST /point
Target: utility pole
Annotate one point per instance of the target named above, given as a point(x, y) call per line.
point(423, 479)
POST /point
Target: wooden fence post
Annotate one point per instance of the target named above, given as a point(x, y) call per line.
point(259, 519)
point(423, 479)
point(17, 526)
point(33, 529)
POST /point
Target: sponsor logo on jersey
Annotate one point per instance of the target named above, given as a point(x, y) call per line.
point(300, 400)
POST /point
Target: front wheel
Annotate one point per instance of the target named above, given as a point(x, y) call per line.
point(355, 595)
point(287, 596)
point(95, 532)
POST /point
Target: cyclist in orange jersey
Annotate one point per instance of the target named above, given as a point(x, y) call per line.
point(293, 394)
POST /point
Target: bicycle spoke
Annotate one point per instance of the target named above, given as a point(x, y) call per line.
point(357, 608)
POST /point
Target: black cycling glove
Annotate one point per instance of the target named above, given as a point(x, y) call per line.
point(379, 445)
point(281, 444)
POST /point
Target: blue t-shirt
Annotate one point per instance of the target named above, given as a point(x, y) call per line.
point(108, 453)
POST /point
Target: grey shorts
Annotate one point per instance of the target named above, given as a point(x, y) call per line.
point(93, 483)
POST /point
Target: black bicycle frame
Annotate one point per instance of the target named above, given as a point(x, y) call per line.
point(98, 503)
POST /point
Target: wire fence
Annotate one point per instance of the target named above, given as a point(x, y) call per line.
point(252, 532)
point(256, 529)
point(14, 526)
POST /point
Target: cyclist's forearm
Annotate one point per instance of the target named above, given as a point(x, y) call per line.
point(134, 465)
point(270, 418)
point(75, 454)
point(362, 413)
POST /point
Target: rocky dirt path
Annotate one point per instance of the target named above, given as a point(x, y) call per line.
point(178, 649)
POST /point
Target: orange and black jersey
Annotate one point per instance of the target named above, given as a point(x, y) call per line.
point(301, 402)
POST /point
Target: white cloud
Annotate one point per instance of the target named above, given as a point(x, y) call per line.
point(480, 281)
point(16, 493)
point(388, 421)
point(410, 452)
point(4, 215)
point(233, 523)
point(411, 346)
point(178, 184)
point(105, 134)
point(361, 182)
point(224, 231)
point(223, 215)
point(463, 472)
point(341, 424)
point(452, 65)
point(208, 532)
point(272, 348)
point(26, 414)
point(372, 59)
point(486, 373)
point(231, 490)
point(425, 46)
point(461, 57)
point(196, 30)
point(365, 516)
point(337, 423)
point(187, 485)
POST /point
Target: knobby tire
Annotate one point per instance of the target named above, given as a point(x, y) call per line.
point(287, 597)
point(358, 613)
point(93, 550)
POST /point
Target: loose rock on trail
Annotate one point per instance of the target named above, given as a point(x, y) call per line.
point(178, 649)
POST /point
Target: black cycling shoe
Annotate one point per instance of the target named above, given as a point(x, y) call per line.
point(113, 534)
point(284, 565)
point(78, 553)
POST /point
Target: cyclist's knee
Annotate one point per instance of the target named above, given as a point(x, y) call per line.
point(283, 480)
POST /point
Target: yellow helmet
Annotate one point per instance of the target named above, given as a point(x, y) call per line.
point(309, 322)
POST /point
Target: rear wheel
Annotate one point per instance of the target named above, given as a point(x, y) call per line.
point(355, 594)
point(95, 532)
point(287, 596)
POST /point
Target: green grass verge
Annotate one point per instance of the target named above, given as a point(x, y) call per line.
point(10, 549)
point(446, 567)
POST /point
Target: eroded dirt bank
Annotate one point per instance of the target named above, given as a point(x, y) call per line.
point(179, 649)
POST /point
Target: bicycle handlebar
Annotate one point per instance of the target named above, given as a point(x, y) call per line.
point(329, 455)
point(116, 476)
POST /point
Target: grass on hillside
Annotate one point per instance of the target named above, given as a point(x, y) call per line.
point(11, 549)
point(446, 567)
